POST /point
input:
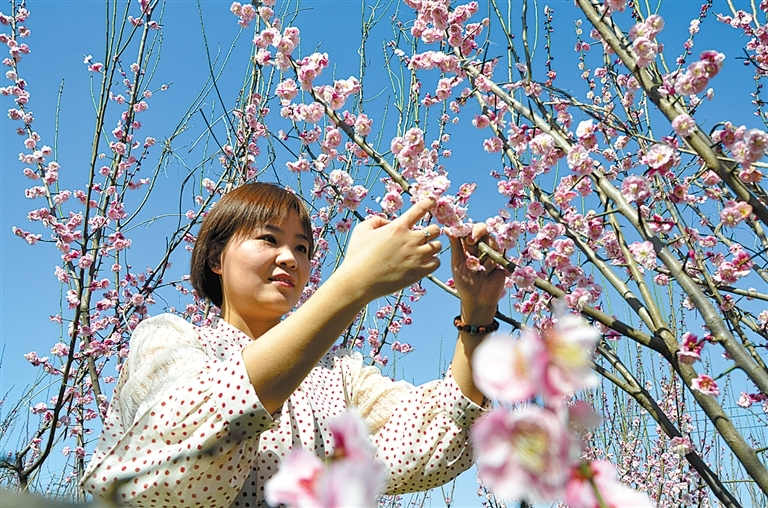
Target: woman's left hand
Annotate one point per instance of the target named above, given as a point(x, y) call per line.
point(479, 290)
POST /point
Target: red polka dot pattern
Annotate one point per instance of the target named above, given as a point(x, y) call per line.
point(204, 439)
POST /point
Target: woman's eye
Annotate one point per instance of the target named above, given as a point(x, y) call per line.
point(269, 238)
point(303, 249)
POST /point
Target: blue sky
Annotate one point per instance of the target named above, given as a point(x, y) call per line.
point(64, 31)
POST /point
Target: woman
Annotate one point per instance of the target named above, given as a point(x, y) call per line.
point(202, 415)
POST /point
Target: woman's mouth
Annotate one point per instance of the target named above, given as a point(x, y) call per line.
point(283, 281)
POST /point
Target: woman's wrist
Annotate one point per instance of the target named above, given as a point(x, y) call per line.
point(475, 329)
point(353, 290)
point(477, 315)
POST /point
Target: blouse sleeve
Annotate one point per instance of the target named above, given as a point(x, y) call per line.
point(421, 433)
point(182, 427)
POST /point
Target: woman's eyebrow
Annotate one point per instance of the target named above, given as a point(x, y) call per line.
point(279, 230)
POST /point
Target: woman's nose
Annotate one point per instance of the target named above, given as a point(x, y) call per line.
point(286, 257)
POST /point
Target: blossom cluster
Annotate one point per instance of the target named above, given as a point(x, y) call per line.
point(532, 453)
point(351, 476)
point(436, 21)
point(85, 226)
point(642, 36)
point(696, 77)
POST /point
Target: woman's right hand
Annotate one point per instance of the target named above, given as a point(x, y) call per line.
point(386, 256)
point(382, 257)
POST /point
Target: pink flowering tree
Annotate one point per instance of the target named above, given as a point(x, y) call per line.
point(611, 158)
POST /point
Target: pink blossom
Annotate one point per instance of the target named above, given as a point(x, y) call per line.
point(552, 364)
point(757, 142)
point(310, 67)
point(585, 129)
point(391, 202)
point(287, 89)
point(28, 237)
point(296, 481)
point(246, 13)
point(350, 436)
point(569, 349)
point(745, 401)
point(646, 51)
point(698, 74)
point(465, 191)
point(448, 213)
point(542, 144)
point(690, 349)
point(332, 138)
point(535, 209)
point(681, 445)
point(60, 349)
point(734, 213)
point(474, 264)
point(363, 124)
point(312, 113)
point(340, 179)
point(85, 261)
point(493, 144)
point(61, 275)
point(354, 196)
point(263, 57)
point(288, 41)
point(118, 241)
point(299, 166)
point(578, 299)
point(353, 478)
point(644, 254)
point(36, 361)
point(481, 121)
point(684, 125)
point(705, 384)
point(38, 408)
point(402, 348)
point(523, 454)
point(509, 369)
point(616, 5)
point(636, 188)
point(579, 160)
point(72, 299)
point(601, 475)
point(524, 277)
point(660, 159)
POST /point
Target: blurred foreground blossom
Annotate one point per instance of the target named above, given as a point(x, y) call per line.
point(554, 363)
point(601, 476)
point(523, 454)
point(532, 453)
point(352, 477)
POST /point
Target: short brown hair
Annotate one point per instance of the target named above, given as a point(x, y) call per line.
point(245, 208)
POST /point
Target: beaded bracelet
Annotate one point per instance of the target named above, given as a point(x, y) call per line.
point(475, 330)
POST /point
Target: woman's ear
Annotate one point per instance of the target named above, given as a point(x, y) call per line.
point(214, 259)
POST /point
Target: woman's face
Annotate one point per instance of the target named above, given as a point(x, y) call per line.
point(263, 273)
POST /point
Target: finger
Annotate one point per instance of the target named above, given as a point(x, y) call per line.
point(431, 264)
point(457, 251)
point(374, 222)
point(430, 249)
point(415, 213)
point(489, 265)
point(479, 230)
point(470, 248)
point(430, 232)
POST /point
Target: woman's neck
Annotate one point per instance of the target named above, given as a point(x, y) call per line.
point(254, 328)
